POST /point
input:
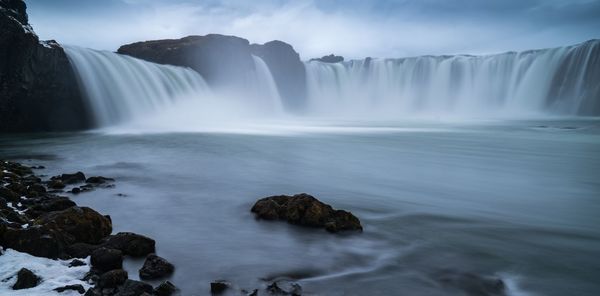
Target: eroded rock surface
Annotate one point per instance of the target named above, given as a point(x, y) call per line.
point(305, 210)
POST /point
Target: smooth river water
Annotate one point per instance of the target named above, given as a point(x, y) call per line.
point(518, 200)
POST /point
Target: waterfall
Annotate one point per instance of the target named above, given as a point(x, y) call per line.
point(265, 88)
point(563, 80)
point(119, 87)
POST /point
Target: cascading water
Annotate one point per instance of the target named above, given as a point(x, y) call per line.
point(265, 88)
point(120, 87)
point(562, 80)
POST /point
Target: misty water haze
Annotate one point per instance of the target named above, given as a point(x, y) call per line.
point(458, 142)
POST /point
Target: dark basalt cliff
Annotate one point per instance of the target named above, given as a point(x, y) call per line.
point(226, 61)
point(38, 89)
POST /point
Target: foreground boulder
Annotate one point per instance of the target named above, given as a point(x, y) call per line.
point(112, 279)
point(156, 267)
point(104, 259)
point(131, 244)
point(81, 224)
point(38, 88)
point(305, 210)
point(26, 279)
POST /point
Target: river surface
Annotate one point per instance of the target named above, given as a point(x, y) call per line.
point(516, 200)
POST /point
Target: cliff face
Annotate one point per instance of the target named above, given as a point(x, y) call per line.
point(226, 61)
point(287, 69)
point(38, 89)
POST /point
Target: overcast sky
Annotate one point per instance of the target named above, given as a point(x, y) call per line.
point(353, 28)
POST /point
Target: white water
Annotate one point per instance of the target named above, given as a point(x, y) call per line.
point(265, 88)
point(562, 81)
point(559, 80)
point(120, 87)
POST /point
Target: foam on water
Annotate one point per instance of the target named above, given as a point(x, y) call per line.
point(53, 274)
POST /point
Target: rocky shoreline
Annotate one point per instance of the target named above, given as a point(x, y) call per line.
point(35, 220)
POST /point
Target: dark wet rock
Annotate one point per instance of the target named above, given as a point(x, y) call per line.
point(155, 267)
point(470, 283)
point(76, 190)
point(285, 288)
point(56, 184)
point(303, 209)
point(82, 224)
point(38, 88)
point(166, 288)
point(76, 263)
point(26, 279)
point(112, 278)
point(218, 287)
point(81, 250)
point(134, 288)
point(98, 180)
point(35, 240)
point(9, 194)
point(38, 167)
point(329, 59)
point(38, 188)
point(275, 289)
point(78, 177)
point(52, 204)
point(78, 288)
point(104, 259)
point(131, 244)
point(12, 216)
point(254, 293)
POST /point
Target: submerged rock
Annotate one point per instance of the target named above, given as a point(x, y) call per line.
point(76, 263)
point(98, 180)
point(218, 287)
point(78, 177)
point(26, 279)
point(166, 288)
point(470, 283)
point(156, 267)
point(305, 210)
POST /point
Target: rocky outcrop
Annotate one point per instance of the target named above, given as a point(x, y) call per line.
point(223, 61)
point(38, 88)
point(287, 69)
point(226, 62)
point(329, 59)
point(305, 210)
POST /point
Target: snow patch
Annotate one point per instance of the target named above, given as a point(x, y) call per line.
point(53, 274)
